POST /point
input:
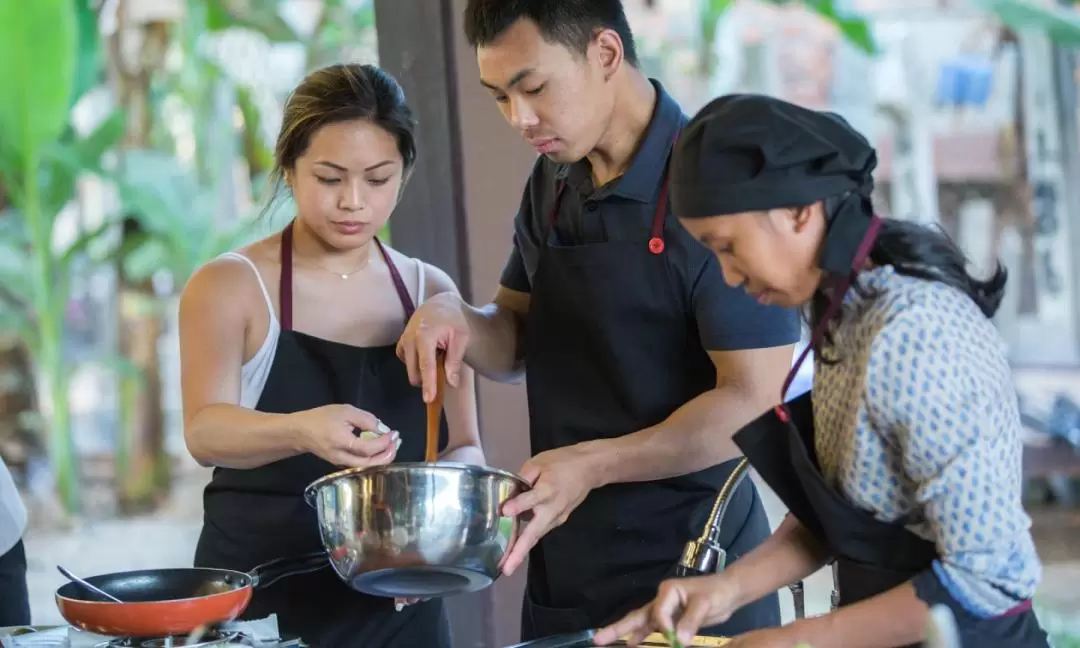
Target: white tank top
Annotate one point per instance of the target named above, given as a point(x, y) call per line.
point(254, 372)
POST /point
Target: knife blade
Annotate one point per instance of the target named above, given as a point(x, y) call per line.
point(581, 639)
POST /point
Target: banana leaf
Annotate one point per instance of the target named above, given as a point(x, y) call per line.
point(177, 214)
point(90, 64)
point(853, 28)
point(38, 45)
point(261, 16)
point(16, 289)
point(1061, 24)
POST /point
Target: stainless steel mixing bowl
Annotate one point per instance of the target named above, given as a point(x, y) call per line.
point(416, 529)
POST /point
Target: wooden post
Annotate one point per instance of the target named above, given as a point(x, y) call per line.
point(416, 44)
point(457, 213)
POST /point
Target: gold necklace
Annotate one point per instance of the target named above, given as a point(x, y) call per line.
point(343, 275)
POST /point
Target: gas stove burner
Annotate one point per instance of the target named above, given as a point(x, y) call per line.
point(209, 639)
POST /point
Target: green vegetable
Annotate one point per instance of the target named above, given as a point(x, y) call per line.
point(672, 639)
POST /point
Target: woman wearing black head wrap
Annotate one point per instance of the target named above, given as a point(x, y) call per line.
point(903, 465)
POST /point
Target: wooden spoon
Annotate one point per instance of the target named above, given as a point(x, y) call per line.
point(435, 408)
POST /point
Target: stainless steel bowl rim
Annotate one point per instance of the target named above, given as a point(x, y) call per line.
point(313, 487)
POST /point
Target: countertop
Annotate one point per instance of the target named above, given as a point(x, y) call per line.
point(654, 640)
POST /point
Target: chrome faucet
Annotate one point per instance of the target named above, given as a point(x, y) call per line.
point(705, 555)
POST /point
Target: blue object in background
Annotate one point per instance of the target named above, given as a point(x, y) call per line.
point(980, 82)
point(950, 86)
point(965, 81)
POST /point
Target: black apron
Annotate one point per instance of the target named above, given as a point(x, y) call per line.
point(14, 597)
point(257, 515)
point(871, 556)
point(612, 347)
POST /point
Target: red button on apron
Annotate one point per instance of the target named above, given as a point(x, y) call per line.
point(656, 245)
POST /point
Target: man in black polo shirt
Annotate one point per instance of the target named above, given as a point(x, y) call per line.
point(640, 361)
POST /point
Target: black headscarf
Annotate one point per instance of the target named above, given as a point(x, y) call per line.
point(746, 152)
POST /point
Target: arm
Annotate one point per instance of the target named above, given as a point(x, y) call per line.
point(790, 554)
point(687, 604)
point(964, 458)
point(495, 335)
point(463, 444)
point(497, 330)
point(213, 326)
point(894, 618)
point(752, 348)
point(487, 338)
point(698, 434)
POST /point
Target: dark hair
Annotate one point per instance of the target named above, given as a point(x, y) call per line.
point(922, 251)
point(572, 23)
point(339, 93)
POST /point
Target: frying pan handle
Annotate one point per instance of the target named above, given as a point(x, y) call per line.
point(271, 572)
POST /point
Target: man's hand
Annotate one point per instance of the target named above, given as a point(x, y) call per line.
point(560, 479)
point(438, 324)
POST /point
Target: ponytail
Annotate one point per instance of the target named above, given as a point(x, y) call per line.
point(924, 252)
point(928, 253)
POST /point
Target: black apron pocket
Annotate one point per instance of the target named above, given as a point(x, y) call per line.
point(539, 621)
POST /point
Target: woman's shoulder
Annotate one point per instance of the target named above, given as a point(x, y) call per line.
point(908, 326)
point(236, 272)
point(913, 320)
point(436, 280)
point(891, 299)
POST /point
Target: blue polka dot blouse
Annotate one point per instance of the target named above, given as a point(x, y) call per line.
point(918, 420)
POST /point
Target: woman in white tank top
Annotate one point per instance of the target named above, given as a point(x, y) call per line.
point(288, 361)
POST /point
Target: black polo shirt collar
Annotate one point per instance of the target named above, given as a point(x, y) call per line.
point(641, 182)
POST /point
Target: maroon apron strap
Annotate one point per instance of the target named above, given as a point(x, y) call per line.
point(399, 285)
point(861, 255)
point(656, 234)
point(285, 283)
point(656, 239)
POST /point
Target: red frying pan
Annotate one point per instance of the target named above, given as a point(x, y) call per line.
point(162, 602)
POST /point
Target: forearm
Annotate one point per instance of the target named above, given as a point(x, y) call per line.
point(790, 554)
point(466, 454)
point(695, 437)
point(495, 349)
point(231, 436)
point(893, 618)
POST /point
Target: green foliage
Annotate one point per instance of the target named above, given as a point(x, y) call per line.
point(177, 214)
point(854, 29)
point(38, 46)
point(38, 42)
point(1060, 24)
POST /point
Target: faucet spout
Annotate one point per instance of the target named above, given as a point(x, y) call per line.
point(705, 555)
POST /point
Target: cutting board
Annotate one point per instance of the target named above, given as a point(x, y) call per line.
point(657, 639)
point(584, 638)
